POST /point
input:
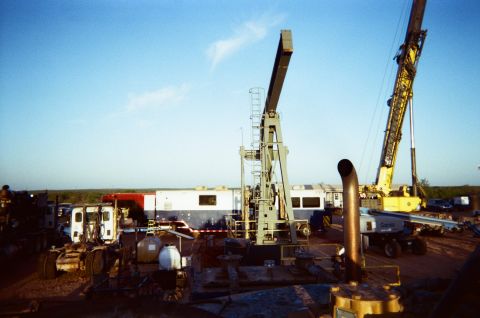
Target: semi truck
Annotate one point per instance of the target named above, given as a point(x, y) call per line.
point(94, 247)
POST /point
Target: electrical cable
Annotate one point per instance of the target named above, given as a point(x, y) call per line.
point(382, 91)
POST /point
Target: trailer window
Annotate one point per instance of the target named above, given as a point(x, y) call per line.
point(106, 216)
point(78, 217)
point(295, 202)
point(311, 202)
point(207, 200)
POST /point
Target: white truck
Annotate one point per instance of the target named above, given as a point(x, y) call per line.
point(94, 243)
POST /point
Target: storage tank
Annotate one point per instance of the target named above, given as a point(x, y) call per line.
point(148, 249)
point(169, 258)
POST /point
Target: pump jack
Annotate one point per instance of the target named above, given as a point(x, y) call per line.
point(269, 223)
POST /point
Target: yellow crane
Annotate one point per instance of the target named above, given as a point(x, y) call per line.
point(380, 195)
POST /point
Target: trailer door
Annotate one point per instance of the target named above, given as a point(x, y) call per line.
point(107, 224)
point(76, 224)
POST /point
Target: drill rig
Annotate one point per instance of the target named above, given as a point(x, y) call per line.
point(380, 195)
point(269, 222)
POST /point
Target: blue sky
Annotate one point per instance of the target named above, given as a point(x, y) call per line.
point(139, 94)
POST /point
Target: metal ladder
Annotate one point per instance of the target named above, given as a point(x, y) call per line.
point(257, 101)
point(151, 227)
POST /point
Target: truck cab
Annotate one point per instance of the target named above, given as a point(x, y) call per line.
point(93, 222)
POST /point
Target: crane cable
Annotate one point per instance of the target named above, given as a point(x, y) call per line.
point(401, 24)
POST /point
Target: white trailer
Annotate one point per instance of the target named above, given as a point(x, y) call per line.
point(198, 209)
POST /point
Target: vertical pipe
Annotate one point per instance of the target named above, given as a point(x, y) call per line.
point(351, 220)
point(413, 155)
point(242, 185)
point(243, 207)
point(475, 201)
point(115, 219)
point(55, 214)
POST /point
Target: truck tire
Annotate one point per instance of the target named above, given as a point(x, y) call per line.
point(419, 247)
point(95, 263)
point(41, 265)
point(305, 230)
point(47, 265)
point(37, 244)
point(440, 231)
point(392, 249)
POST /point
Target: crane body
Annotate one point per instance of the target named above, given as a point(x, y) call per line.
point(380, 195)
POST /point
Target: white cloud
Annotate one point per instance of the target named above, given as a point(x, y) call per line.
point(164, 96)
point(246, 34)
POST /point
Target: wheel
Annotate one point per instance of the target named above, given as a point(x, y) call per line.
point(94, 263)
point(305, 230)
point(419, 247)
point(44, 242)
point(440, 231)
point(89, 263)
point(37, 241)
point(41, 265)
point(392, 249)
point(47, 265)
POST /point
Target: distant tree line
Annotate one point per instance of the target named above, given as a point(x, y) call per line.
point(86, 195)
point(447, 192)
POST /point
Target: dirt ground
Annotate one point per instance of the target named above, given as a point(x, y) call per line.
point(445, 256)
point(19, 279)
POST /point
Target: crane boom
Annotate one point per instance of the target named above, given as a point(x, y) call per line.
point(407, 60)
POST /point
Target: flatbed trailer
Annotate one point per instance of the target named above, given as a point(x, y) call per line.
point(424, 221)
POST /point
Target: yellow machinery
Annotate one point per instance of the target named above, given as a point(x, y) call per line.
point(380, 195)
point(362, 300)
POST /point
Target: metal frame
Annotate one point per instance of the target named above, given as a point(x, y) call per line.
point(271, 150)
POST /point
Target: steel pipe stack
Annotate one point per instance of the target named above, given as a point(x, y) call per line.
point(351, 221)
